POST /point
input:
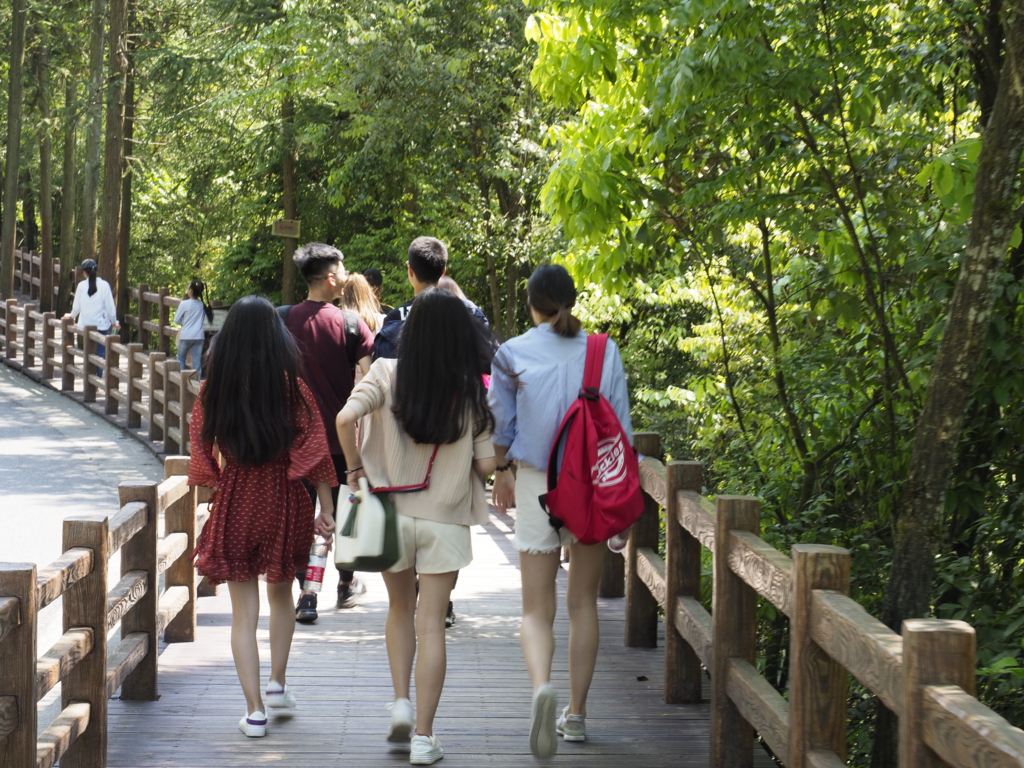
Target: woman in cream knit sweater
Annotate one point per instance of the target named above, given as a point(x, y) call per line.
point(432, 395)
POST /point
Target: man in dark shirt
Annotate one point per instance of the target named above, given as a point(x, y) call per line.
point(329, 359)
point(428, 260)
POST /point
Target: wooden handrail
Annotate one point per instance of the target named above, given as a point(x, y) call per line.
point(78, 661)
point(928, 680)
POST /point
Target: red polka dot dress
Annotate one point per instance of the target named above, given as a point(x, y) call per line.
point(261, 517)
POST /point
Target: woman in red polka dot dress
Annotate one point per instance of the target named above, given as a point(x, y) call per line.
point(256, 411)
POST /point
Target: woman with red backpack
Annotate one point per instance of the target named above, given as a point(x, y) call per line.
point(535, 380)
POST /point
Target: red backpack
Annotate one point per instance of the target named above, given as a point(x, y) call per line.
point(597, 493)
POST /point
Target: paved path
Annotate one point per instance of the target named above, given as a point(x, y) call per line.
point(57, 459)
point(339, 672)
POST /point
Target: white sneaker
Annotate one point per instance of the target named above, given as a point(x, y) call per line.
point(403, 720)
point(618, 542)
point(279, 697)
point(543, 739)
point(254, 725)
point(424, 750)
point(571, 727)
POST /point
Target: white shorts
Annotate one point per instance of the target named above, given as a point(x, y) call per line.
point(534, 533)
point(433, 547)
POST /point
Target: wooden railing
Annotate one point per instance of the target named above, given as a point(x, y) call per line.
point(926, 675)
point(80, 662)
point(37, 277)
point(149, 386)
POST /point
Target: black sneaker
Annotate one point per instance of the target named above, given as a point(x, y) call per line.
point(347, 593)
point(305, 611)
point(449, 618)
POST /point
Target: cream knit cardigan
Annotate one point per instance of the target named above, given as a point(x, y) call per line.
point(392, 458)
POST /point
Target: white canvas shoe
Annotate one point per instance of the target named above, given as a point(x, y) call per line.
point(279, 697)
point(254, 725)
point(425, 750)
point(543, 739)
point(403, 720)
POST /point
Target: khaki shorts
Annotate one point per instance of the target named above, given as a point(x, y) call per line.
point(433, 547)
point(534, 533)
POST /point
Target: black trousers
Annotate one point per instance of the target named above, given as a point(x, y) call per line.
point(339, 468)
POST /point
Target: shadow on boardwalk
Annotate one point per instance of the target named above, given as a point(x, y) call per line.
point(339, 672)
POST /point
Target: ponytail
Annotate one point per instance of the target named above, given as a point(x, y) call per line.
point(197, 288)
point(565, 323)
point(89, 267)
point(552, 293)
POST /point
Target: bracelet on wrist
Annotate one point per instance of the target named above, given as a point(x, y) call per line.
point(350, 471)
point(504, 468)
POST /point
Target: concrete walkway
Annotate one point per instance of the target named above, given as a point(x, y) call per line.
point(57, 459)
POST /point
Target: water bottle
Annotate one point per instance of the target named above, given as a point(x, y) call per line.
point(315, 570)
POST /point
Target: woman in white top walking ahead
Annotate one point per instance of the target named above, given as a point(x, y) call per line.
point(190, 315)
point(534, 379)
point(94, 304)
point(431, 399)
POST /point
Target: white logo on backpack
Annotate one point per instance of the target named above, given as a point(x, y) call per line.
point(611, 462)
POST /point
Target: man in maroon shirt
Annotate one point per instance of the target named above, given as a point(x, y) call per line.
point(329, 359)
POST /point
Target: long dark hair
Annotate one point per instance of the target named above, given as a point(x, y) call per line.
point(197, 288)
point(89, 267)
point(252, 388)
point(552, 293)
point(443, 354)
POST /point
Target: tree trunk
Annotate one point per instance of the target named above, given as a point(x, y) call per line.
point(288, 183)
point(125, 235)
point(94, 130)
point(113, 170)
point(45, 174)
point(14, 109)
point(68, 197)
point(29, 228)
point(919, 531)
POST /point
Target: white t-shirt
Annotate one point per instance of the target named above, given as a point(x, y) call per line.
point(190, 317)
point(98, 309)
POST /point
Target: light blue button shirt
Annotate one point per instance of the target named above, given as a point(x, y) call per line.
point(550, 369)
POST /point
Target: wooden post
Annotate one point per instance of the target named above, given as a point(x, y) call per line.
point(180, 517)
point(89, 347)
point(172, 395)
point(46, 282)
point(817, 684)
point(48, 351)
point(188, 402)
point(641, 606)
point(734, 617)
point(11, 330)
point(28, 346)
point(935, 652)
point(18, 664)
point(156, 384)
point(134, 392)
point(144, 313)
point(164, 321)
point(683, 679)
point(140, 554)
point(85, 605)
point(613, 576)
point(67, 358)
point(111, 383)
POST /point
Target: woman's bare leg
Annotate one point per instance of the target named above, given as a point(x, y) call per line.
point(432, 662)
point(585, 566)
point(400, 628)
point(282, 628)
point(536, 634)
point(245, 613)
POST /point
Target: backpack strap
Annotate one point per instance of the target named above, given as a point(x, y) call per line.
point(351, 336)
point(282, 312)
point(596, 343)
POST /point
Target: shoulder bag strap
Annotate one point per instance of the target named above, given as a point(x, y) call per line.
point(413, 488)
point(351, 336)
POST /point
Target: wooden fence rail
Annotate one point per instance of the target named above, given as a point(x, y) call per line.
point(926, 675)
point(142, 381)
point(89, 673)
point(38, 278)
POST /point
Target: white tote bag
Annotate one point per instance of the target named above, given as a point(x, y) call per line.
point(362, 526)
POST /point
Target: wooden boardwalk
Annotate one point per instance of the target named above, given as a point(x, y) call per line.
point(339, 672)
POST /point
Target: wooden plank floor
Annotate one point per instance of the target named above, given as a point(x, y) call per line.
point(339, 672)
